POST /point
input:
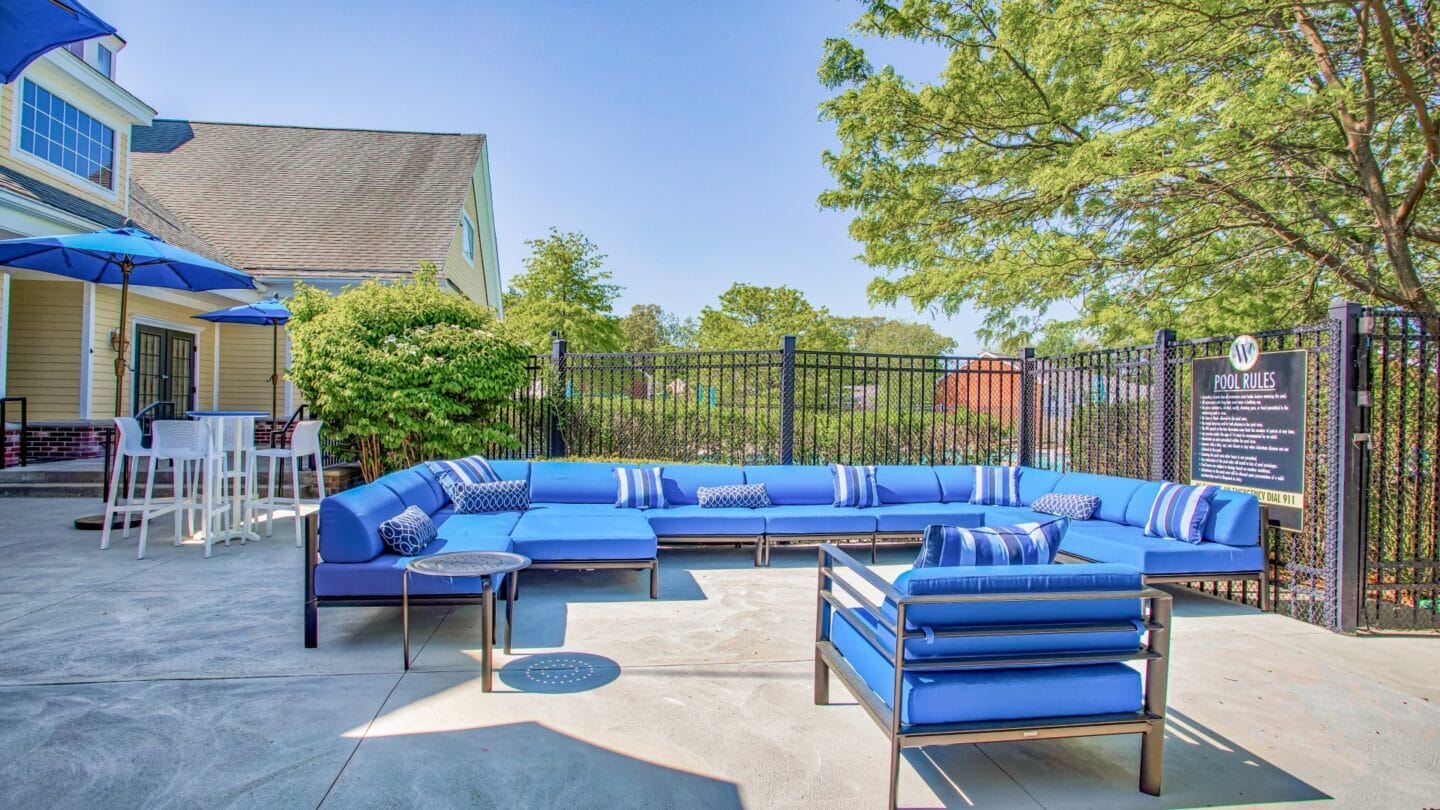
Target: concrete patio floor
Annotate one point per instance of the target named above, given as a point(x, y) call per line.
point(181, 681)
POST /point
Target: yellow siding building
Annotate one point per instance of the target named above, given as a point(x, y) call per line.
point(330, 207)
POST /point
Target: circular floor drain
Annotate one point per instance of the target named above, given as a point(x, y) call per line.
point(560, 672)
point(569, 672)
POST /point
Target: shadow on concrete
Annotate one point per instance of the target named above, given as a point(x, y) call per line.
point(1202, 768)
point(559, 673)
point(518, 765)
point(1191, 604)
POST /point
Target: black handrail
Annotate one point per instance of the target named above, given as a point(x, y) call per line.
point(24, 430)
point(283, 439)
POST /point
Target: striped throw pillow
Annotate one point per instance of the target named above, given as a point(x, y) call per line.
point(469, 470)
point(1021, 544)
point(855, 485)
point(738, 496)
point(997, 486)
point(1075, 507)
point(1179, 512)
point(409, 532)
point(639, 488)
point(491, 496)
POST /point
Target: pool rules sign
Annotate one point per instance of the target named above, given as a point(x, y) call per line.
point(1247, 418)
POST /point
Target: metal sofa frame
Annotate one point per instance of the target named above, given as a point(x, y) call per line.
point(1149, 721)
point(314, 601)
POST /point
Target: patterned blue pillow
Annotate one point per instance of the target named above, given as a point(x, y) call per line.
point(997, 486)
point(1179, 512)
point(741, 496)
point(409, 532)
point(639, 488)
point(470, 470)
point(494, 496)
point(1021, 544)
point(1075, 507)
point(855, 485)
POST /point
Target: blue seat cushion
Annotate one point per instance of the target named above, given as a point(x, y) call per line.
point(821, 520)
point(1010, 515)
point(381, 576)
point(623, 536)
point(608, 509)
point(957, 482)
point(1112, 543)
point(1114, 492)
point(695, 521)
point(350, 522)
point(573, 482)
point(682, 480)
point(482, 524)
point(906, 483)
point(796, 485)
point(914, 517)
point(976, 695)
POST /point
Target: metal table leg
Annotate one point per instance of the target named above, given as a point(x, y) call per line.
point(510, 609)
point(405, 614)
point(487, 632)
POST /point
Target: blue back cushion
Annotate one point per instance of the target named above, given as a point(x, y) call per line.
point(794, 485)
point(572, 482)
point(1234, 519)
point(511, 469)
point(1114, 492)
point(1139, 509)
point(1056, 577)
point(957, 483)
point(907, 484)
point(1035, 483)
point(418, 487)
point(350, 522)
point(682, 480)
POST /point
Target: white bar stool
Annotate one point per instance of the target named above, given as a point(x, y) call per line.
point(186, 445)
point(304, 442)
point(129, 447)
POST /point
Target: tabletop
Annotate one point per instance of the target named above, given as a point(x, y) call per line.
point(467, 563)
point(202, 414)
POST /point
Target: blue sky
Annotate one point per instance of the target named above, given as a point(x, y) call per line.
point(682, 138)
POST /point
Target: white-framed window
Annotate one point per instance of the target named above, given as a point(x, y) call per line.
point(57, 132)
point(105, 61)
point(467, 237)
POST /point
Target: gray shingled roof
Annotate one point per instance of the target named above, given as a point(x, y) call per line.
point(293, 200)
point(55, 197)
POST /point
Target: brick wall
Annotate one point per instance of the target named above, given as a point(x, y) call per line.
point(56, 441)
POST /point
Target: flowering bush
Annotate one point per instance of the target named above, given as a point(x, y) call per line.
point(404, 371)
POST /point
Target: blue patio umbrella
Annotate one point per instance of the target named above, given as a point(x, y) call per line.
point(121, 256)
point(29, 28)
point(269, 312)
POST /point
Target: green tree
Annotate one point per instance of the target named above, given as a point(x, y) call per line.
point(649, 328)
point(1211, 166)
point(406, 371)
point(564, 290)
point(879, 335)
point(751, 316)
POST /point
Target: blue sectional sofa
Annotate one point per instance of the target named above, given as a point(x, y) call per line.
point(572, 522)
point(952, 655)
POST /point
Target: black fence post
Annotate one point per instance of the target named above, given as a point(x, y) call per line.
point(558, 398)
point(1025, 447)
point(1349, 406)
point(1162, 408)
point(787, 399)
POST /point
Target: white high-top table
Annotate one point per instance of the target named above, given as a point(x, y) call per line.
point(223, 424)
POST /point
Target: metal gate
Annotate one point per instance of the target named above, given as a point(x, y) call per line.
point(1400, 496)
point(164, 368)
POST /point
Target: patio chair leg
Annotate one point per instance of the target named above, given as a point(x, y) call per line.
point(133, 471)
point(894, 772)
point(110, 505)
point(1265, 587)
point(295, 502)
point(270, 496)
point(654, 579)
point(822, 681)
point(145, 509)
point(759, 543)
point(1152, 758)
point(177, 496)
point(312, 624)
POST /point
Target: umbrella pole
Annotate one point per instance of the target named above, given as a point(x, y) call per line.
point(274, 379)
point(125, 267)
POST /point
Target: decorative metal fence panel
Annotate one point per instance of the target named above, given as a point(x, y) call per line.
point(1401, 575)
point(1092, 412)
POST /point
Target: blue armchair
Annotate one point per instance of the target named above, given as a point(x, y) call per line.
point(1007, 653)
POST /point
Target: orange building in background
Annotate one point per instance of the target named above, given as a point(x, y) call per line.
point(986, 384)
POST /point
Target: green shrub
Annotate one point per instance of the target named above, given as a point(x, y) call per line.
point(405, 371)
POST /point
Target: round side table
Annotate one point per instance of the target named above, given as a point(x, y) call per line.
point(484, 565)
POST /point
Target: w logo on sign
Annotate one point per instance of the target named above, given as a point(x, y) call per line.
point(1244, 353)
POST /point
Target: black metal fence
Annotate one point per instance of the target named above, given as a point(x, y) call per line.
point(1362, 552)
